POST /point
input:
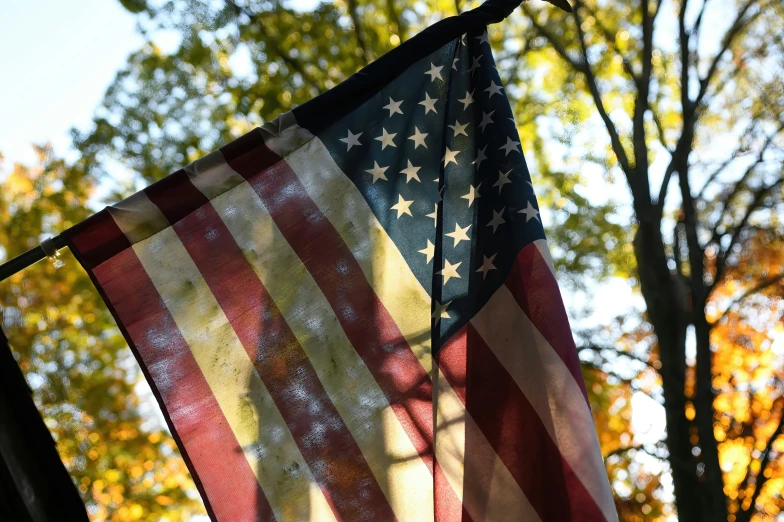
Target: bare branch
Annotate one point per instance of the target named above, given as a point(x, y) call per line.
point(598, 349)
point(739, 152)
point(641, 103)
point(744, 178)
point(762, 285)
point(683, 40)
point(550, 37)
point(400, 24)
point(660, 129)
point(759, 196)
point(610, 37)
point(698, 24)
point(761, 479)
point(615, 140)
point(663, 189)
point(352, 9)
point(735, 29)
point(622, 450)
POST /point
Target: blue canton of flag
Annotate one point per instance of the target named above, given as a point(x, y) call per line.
point(438, 147)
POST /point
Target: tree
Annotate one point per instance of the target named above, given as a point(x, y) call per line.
point(694, 254)
point(76, 362)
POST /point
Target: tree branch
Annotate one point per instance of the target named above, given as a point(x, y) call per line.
point(610, 37)
point(660, 129)
point(622, 450)
point(742, 180)
point(683, 40)
point(272, 42)
point(598, 349)
point(740, 151)
point(764, 462)
point(352, 9)
point(615, 139)
point(663, 189)
point(550, 37)
point(737, 26)
point(395, 19)
point(762, 285)
point(757, 203)
point(583, 66)
point(641, 104)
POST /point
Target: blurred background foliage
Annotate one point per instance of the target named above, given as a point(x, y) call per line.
point(605, 126)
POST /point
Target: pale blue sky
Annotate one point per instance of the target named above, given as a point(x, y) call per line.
point(57, 60)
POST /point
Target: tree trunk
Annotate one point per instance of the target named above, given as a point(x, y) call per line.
point(665, 302)
point(714, 499)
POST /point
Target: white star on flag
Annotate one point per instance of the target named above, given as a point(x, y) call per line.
point(510, 146)
point(429, 251)
point(411, 172)
point(487, 265)
point(351, 140)
point(454, 63)
point(434, 215)
point(483, 38)
point(440, 312)
point(497, 220)
point(419, 138)
point(494, 89)
point(402, 206)
point(459, 128)
point(434, 72)
point(475, 65)
point(393, 107)
point(377, 172)
point(486, 120)
point(473, 193)
point(503, 179)
point(468, 100)
point(449, 271)
point(386, 139)
point(530, 212)
point(480, 156)
point(460, 234)
point(429, 103)
point(450, 156)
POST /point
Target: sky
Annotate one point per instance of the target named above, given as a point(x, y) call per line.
point(58, 59)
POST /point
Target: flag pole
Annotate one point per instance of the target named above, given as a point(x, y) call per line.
point(47, 248)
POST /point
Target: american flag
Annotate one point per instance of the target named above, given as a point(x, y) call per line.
point(351, 314)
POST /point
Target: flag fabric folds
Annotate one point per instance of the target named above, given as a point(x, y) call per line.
point(351, 314)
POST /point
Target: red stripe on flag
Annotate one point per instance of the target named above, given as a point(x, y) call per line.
point(324, 440)
point(367, 323)
point(207, 442)
point(248, 154)
point(535, 289)
point(445, 503)
point(514, 430)
point(175, 196)
point(97, 239)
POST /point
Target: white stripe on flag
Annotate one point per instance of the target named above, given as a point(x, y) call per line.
point(409, 305)
point(363, 407)
point(250, 411)
point(551, 389)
